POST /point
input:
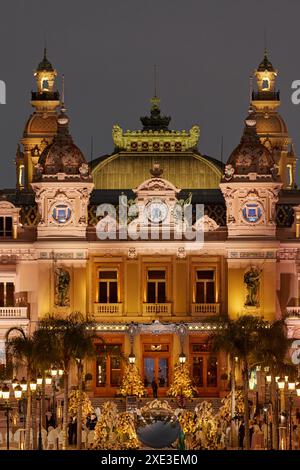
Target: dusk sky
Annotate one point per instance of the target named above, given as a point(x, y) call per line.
point(205, 50)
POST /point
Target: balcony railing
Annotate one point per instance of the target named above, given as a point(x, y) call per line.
point(293, 311)
point(265, 95)
point(205, 309)
point(157, 309)
point(108, 309)
point(13, 312)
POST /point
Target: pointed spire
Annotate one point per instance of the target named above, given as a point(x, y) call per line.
point(45, 64)
point(63, 119)
point(265, 63)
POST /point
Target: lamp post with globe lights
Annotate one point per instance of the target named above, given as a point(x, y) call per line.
point(182, 361)
point(5, 395)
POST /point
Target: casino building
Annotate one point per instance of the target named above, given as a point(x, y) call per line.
point(65, 245)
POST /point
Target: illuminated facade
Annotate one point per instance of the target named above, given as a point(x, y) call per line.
point(153, 297)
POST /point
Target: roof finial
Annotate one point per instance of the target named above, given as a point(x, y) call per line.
point(155, 81)
point(63, 93)
point(155, 101)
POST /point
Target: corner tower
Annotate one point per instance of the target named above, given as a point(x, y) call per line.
point(62, 184)
point(250, 185)
point(41, 125)
point(270, 126)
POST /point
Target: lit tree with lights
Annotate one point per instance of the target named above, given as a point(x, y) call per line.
point(132, 384)
point(182, 384)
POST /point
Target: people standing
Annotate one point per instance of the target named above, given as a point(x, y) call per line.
point(154, 388)
point(241, 435)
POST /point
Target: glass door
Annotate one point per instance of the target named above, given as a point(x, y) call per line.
point(156, 369)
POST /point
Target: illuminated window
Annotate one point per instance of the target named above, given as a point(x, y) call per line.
point(156, 286)
point(252, 212)
point(265, 84)
point(61, 213)
point(45, 84)
point(205, 286)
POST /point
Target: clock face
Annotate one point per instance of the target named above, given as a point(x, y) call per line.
point(156, 211)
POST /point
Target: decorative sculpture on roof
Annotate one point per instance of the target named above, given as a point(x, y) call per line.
point(252, 281)
point(62, 287)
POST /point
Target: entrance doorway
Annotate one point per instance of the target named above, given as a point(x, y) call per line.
point(156, 364)
point(205, 370)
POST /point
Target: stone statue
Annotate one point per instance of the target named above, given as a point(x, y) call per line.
point(252, 281)
point(62, 285)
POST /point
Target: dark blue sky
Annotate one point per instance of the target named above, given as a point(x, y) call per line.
point(205, 50)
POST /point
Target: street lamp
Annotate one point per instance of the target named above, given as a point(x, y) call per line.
point(5, 395)
point(131, 358)
point(182, 358)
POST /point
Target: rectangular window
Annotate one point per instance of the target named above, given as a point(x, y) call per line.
point(156, 286)
point(212, 371)
point(7, 294)
point(198, 371)
point(108, 365)
point(205, 286)
point(108, 286)
point(6, 227)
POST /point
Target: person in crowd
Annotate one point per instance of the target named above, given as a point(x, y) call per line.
point(241, 435)
point(154, 388)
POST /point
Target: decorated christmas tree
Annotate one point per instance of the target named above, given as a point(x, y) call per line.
point(115, 431)
point(182, 384)
point(132, 384)
point(224, 413)
point(86, 404)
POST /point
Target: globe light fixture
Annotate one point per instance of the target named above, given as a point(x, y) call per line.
point(5, 392)
point(281, 383)
point(131, 358)
point(23, 384)
point(182, 358)
point(291, 385)
point(18, 392)
point(269, 378)
point(39, 379)
point(48, 379)
point(54, 371)
point(33, 385)
point(14, 383)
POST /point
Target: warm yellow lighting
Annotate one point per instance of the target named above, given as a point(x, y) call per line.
point(291, 385)
point(33, 385)
point(23, 384)
point(269, 378)
point(286, 378)
point(18, 392)
point(60, 372)
point(5, 392)
point(48, 379)
point(281, 383)
point(14, 383)
point(54, 371)
point(39, 379)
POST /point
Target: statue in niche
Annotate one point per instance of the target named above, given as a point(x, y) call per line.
point(252, 281)
point(62, 286)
